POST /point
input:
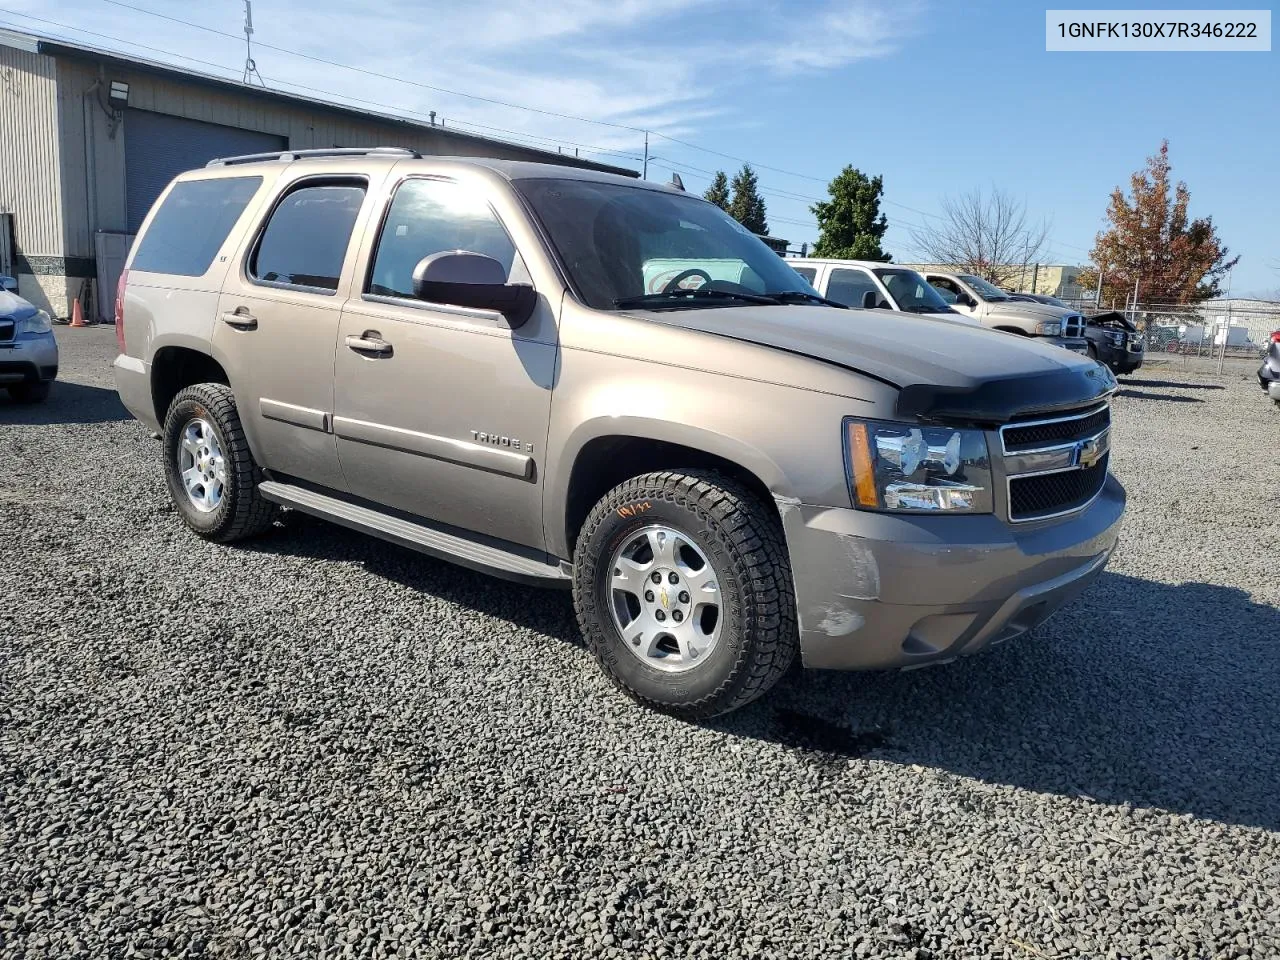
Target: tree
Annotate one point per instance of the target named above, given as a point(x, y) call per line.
point(718, 192)
point(989, 236)
point(850, 224)
point(747, 206)
point(1152, 244)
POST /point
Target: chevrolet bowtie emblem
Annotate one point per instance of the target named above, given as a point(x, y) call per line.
point(665, 601)
point(1089, 453)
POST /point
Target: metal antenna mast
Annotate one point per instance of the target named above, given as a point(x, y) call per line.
point(250, 68)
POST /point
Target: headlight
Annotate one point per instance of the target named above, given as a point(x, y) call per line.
point(38, 322)
point(1049, 328)
point(895, 466)
point(1117, 338)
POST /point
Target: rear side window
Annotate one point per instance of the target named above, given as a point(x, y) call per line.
point(307, 237)
point(432, 216)
point(848, 286)
point(192, 224)
point(809, 273)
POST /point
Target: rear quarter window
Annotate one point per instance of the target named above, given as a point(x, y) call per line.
point(191, 225)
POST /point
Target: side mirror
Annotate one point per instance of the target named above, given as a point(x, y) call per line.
point(869, 299)
point(465, 279)
point(9, 283)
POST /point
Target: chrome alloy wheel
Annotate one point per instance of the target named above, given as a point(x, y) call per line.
point(665, 599)
point(201, 465)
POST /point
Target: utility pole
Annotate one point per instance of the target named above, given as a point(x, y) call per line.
point(645, 174)
point(250, 68)
point(1097, 294)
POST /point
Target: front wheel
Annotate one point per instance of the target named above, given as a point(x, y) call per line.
point(683, 591)
point(211, 475)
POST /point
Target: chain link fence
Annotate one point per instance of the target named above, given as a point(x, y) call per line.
point(1201, 338)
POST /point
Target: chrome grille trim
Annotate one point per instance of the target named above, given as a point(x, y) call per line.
point(1015, 461)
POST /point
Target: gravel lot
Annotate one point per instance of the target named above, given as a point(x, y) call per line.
point(318, 745)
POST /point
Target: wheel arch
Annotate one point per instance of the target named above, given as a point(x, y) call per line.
point(176, 367)
point(601, 460)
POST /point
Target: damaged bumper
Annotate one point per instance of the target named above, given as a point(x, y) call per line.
point(877, 591)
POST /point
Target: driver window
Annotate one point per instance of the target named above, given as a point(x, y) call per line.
point(433, 216)
point(849, 286)
point(946, 289)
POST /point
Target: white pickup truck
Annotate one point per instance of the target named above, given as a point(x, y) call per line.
point(876, 286)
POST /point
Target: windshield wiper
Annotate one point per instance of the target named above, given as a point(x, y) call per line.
point(678, 297)
point(799, 296)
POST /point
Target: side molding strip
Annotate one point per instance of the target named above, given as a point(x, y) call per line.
point(298, 416)
point(439, 448)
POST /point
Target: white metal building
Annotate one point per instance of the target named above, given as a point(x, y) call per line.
point(88, 139)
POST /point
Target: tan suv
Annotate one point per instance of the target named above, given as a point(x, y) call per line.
point(574, 379)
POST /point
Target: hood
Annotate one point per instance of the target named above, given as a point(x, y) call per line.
point(12, 305)
point(945, 371)
point(954, 316)
point(1112, 319)
point(1028, 308)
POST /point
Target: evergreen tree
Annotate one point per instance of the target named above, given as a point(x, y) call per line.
point(850, 224)
point(747, 206)
point(718, 192)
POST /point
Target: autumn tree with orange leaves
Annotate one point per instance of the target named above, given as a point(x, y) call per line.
point(1151, 242)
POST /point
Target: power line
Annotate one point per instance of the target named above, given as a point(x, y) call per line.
point(374, 73)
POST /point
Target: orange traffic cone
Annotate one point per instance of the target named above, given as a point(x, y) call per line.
point(77, 314)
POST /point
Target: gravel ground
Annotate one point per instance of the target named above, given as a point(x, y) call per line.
point(319, 745)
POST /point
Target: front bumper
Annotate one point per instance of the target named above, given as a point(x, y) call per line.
point(1120, 359)
point(30, 359)
point(877, 591)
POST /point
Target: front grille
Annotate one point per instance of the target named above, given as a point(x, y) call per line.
point(1053, 493)
point(1073, 326)
point(6, 330)
point(1053, 432)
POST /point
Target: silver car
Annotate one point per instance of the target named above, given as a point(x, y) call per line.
point(28, 352)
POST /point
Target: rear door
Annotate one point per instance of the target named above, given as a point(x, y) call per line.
point(440, 410)
point(278, 321)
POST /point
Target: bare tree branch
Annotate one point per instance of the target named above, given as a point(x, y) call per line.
point(986, 235)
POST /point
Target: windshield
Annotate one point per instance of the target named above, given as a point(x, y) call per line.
point(620, 242)
point(986, 291)
point(912, 293)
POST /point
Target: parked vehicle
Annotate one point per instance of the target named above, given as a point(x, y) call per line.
point(28, 351)
point(995, 308)
point(1115, 341)
point(494, 363)
point(1269, 372)
point(876, 286)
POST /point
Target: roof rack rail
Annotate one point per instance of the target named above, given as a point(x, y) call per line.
point(288, 156)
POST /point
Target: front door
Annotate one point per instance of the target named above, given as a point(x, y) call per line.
point(442, 411)
point(277, 323)
point(956, 296)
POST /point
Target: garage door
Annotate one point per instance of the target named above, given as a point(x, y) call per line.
point(158, 147)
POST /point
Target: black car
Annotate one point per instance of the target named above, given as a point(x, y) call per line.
point(1114, 341)
point(1269, 372)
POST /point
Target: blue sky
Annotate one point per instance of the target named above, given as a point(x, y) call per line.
point(938, 97)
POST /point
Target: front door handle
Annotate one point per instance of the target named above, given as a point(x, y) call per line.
point(240, 318)
point(370, 343)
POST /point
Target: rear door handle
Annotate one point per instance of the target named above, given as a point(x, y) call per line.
point(240, 318)
point(370, 343)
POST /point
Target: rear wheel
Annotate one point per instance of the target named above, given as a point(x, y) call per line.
point(683, 592)
point(29, 392)
point(211, 475)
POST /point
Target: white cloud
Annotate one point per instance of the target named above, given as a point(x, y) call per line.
point(661, 65)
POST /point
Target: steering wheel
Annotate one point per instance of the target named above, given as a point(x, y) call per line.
point(674, 283)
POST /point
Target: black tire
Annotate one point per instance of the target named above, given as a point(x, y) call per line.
point(242, 512)
point(30, 392)
point(742, 538)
